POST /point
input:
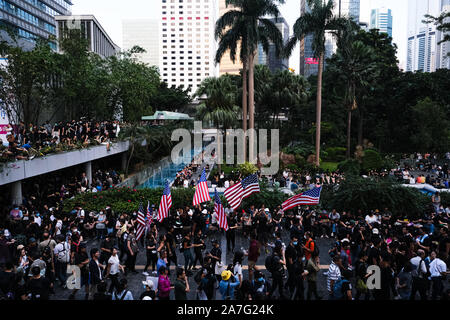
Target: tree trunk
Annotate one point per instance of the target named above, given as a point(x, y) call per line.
point(251, 106)
point(319, 108)
point(244, 103)
point(349, 132)
point(360, 127)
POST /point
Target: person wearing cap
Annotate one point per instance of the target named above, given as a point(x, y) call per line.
point(227, 286)
point(149, 292)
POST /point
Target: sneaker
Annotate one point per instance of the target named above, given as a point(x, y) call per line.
point(145, 273)
point(31, 158)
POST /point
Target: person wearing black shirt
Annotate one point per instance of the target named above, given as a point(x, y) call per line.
point(106, 249)
point(82, 260)
point(38, 287)
point(291, 258)
point(198, 250)
point(151, 252)
point(7, 278)
point(231, 232)
point(216, 256)
point(171, 245)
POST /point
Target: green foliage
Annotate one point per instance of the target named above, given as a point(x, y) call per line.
point(432, 133)
point(350, 167)
point(127, 200)
point(247, 169)
point(300, 148)
point(370, 194)
point(220, 106)
point(335, 154)
point(270, 199)
point(371, 160)
point(329, 166)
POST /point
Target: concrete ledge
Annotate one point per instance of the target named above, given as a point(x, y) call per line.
point(20, 170)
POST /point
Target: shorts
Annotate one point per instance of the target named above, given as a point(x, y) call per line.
point(251, 264)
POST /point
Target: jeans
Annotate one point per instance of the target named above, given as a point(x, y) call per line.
point(188, 259)
point(61, 272)
point(231, 240)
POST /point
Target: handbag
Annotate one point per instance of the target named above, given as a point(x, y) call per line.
point(361, 285)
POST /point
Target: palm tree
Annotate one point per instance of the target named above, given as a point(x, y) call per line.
point(318, 21)
point(355, 65)
point(247, 27)
point(219, 106)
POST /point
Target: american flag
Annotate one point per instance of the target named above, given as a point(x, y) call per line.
point(201, 192)
point(141, 222)
point(149, 217)
point(218, 208)
point(242, 190)
point(165, 204)
point(310, 197)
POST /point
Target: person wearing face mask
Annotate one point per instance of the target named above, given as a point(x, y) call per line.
point(291, 254)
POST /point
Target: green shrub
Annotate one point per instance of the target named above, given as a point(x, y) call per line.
point(370, 194)
point(335, 154)
point(127, 200)
point(349, 167)
point(247, 169)
point(371, 160)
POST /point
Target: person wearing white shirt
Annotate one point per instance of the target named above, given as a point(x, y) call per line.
point(112, 272)
point(226, 184)
point(418, 275)
point(438, 270)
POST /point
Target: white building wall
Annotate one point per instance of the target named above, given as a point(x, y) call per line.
point(143, 33)
point(186, 43)
point(419, 57)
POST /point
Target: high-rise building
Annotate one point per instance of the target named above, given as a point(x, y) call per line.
point(347, 8)
point(145, 34)
point(187, 44)
point(381, 19)
point(33, 19)
point(342, 8)
point(443, 49)
point(226, 64)
point(422, 40)
point(98, 40)
point(270, 59)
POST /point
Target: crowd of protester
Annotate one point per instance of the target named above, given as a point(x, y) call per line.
point(25, 143)
point(412, 254)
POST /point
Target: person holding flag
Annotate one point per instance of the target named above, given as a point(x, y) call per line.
point(218, 209)
point(201, 192)
point(140, 229)
point(165, 204)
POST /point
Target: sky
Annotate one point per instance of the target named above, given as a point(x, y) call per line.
point(110, 14)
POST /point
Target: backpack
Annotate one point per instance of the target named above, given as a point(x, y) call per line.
point(63, 255)
point(337, 289)
point(270, 263)
point(198, 276)
point(316, 250)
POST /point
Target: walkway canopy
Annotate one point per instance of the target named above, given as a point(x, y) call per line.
point(167, 115)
